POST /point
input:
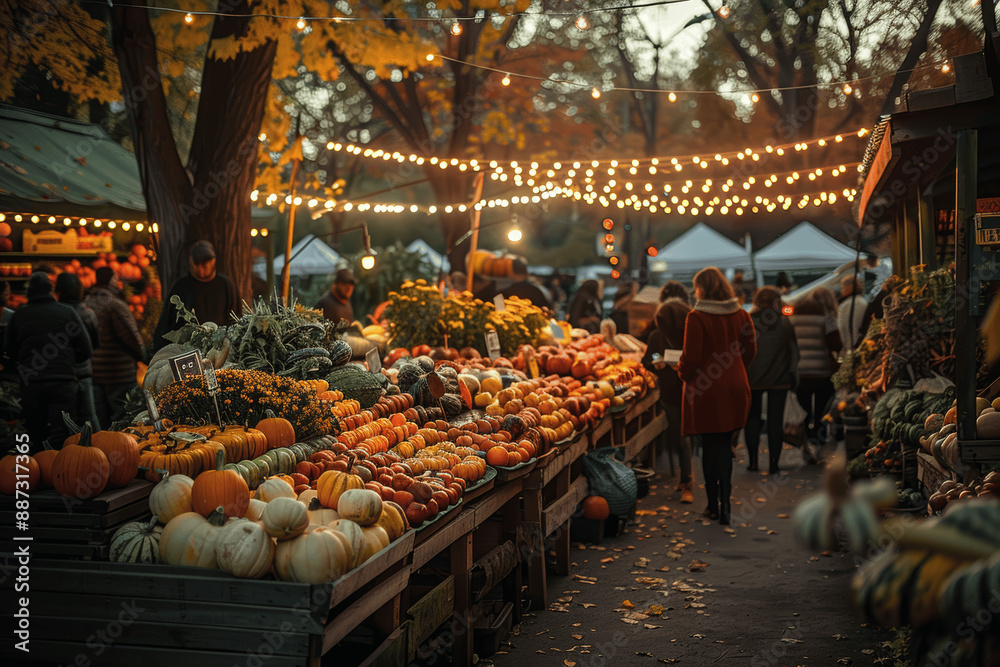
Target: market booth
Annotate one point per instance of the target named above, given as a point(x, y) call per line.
point(484, 455)
point(918, 383)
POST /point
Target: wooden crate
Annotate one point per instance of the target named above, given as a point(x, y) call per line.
point(62, 527)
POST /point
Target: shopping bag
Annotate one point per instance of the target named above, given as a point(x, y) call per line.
point(795, 421)
point(611, 479)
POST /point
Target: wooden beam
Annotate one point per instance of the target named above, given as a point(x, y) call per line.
point(966, 181)
point(462, 524)
point(928, 234)
point(393, 554)
point(366, 605)
point(561, 510)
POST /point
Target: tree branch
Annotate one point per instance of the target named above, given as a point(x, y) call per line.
point(917, 48)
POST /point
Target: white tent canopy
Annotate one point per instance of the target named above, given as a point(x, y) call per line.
point(803, 247)
point(317, 258)
point(438, 260)
point(699, 247)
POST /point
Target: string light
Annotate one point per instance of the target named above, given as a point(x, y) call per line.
point(300, 24)
point(456, 29)
point(188, 18)
point(595, 93)
point(946, 68)
point(847, 89)
point(506, 80)
point(724, 11)
point(582, 23)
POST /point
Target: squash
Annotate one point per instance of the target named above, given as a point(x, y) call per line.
point(354, 534)
point(321, 515)
point(362, 506)
point(189, 539)
point(272, 488)
point(332, 484)
point(255, 509)
point(80, 471)
point(244, 549)
point(318, 555)
point(393, 520)
point(137, 542)
point(45, 458)
point(225, 488)
point(241, 443)
point(306, 496)
point(285, 518)
point(171, 497)
point(13, 465)
point(340, 352)
point(374, 540)
point(122, 451)
point(277, 431)
point(988, 426)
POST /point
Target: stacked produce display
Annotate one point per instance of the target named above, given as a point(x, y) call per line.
point(295, 462)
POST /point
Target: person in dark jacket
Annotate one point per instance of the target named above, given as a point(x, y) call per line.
point(46, 340)
point(774, 371)
point(819, 343)
point(668, 334)
point(69, 291)
point(211, 295)
point(719, 343)
point(119, 348)
point(585, 309)
point(619, 311)
point(336, 304)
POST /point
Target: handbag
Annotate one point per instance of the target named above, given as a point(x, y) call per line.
point(610, 478)
point(794, 422)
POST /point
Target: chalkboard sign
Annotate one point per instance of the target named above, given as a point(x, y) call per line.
point(185, 365)
point(984, 259)
point(987, 229)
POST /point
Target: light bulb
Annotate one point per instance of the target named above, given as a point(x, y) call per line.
point(672, 97)
point(156, 228)
point(188, 18)
point(724, 11)
point(946, 68)
point(139, 227)
point(847, 89)
point(595, 93)
point(755, 98)
point(263, 232)
point(514, 235)
point(300, 24)
point(582, 23)
point(506, 80)
point(253, 232)
point(125, 226)
point(456, 29)
point(367, 262)
point(262, 137)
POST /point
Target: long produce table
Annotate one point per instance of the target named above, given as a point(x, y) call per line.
point(91, 612)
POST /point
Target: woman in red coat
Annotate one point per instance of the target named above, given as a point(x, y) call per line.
point(719, 343)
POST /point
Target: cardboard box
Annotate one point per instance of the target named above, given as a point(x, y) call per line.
point(641, 309)
point(51, 241)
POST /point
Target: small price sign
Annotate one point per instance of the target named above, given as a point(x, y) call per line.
point(493, 344)
point(557, 331)
point(186, 365)
point(499, 303)
point(212, 385)
point(374, 360)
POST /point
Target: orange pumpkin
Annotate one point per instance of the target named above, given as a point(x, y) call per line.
point(122, 451)
point(14, 465)
point(393, 520)
point(241, 443)
point(80, 471)
point(220, 488)
point(44, 460)
point(596, 507)
point(278, 431)
point(332, 484)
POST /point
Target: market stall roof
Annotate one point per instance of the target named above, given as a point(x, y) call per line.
point(699, 247)
point(803, 247)
point(430, 254)
point(59, 166)
point(310, 257)
point(64, 167)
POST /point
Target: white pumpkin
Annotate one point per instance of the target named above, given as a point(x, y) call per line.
point(306, 496)
point(244, 549)
point(272, 488)
point(284, 518)
point(255, 509)
point(354, 535)
point(318, 555)
point(171, 497)
point(189, 539)
point(321, 515)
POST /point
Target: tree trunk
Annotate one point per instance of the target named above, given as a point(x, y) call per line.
point(164, 184)
point(211, 198)
point(452, 189)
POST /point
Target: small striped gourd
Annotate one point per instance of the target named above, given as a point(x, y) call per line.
point(137, 542)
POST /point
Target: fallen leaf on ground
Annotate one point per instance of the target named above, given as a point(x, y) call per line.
point(645, 512)
point(789, 640)
point(609, 559)
point(650, 626)
point(697, 566)
point(783, 516)
point(628, 604)
point(772, 532)
point(577, 636)
point(642, 562)
point(630, 621)
point(588, 605)
point(655, 610)
point(729, 530)
point(569, 663)
point(698, 635)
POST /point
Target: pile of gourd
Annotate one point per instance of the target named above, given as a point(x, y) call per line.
point(214, 521)
point(941, 440)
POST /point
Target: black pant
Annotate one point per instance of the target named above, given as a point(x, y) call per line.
point(775, 424)
point(43, 403)
point(812, 389)
point(717, 466)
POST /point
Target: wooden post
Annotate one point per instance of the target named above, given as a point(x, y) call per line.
point(966, 175)
point(928, 235)
point(911, 249)
point(286, 270)
point(461, 563)
point(474, 241)
point(269, 255)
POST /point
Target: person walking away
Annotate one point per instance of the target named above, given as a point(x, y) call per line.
point(336, 304)
point(45, 341)
point(819, 343)
point(585, 309)
point(668, 334)
point(851, 313)
point(119, 348)
point(210, 294)
point(783, 283)
point(772, 372)
point(719, 343)
point(619, 311)
point(69, 291)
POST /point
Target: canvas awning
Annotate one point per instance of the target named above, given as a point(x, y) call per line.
point(699, 247)
point(310, 257)
point(436, 259)
point(803, 247)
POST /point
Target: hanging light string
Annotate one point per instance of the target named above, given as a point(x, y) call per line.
point(752, 94)
point(653, 165)
point(407, 19)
